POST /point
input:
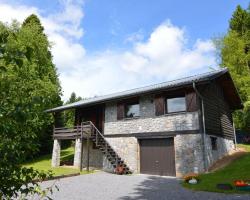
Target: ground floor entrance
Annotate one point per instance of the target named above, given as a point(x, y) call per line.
point(157, 156)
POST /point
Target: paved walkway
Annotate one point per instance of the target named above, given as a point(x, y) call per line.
point(105, 186)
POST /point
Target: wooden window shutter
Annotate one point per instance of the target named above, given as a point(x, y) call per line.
point(120, 111)
point(159, 105)
point(191, 102)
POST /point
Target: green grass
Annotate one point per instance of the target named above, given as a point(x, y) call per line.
point(43, 163)
point(238, 169)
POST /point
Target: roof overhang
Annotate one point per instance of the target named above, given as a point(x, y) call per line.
point(222, 75)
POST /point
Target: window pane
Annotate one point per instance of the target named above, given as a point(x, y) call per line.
point(132, 110)
point(176, 104)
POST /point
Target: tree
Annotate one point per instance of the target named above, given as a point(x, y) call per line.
point(234, 51)
point(28, 86)
point(69, 115)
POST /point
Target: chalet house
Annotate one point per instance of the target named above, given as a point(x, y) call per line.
point(171, 128)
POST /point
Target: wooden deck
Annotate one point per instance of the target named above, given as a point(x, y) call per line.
point(64, 133)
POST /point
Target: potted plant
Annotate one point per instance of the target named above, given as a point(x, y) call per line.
point(191, 178)
point(119, 170)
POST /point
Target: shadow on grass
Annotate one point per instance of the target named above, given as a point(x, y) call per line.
point(67, 156)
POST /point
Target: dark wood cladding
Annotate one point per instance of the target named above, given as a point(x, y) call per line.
point(159, 105)
point(191, 101)
point(218, 117)
point(120, 110)
point(93, 113)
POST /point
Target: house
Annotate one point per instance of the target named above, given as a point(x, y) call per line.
point(170, 128)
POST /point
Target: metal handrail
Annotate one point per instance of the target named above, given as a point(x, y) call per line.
point(91, 123)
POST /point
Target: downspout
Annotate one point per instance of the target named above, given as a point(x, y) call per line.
point(235, 141)
point(204, 128)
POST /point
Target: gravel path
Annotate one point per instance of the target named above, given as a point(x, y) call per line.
point(105, 186)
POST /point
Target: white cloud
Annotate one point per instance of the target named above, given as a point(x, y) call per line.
point(135, 37)
point(9, 13)
point(163, 56)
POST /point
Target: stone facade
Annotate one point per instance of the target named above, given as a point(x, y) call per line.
point(188, 147)
point(77, 155)
point(148, 122)
point(56, 153)
point(188, 154)
point(127, 149)
point(224, 147)
point(95, 156)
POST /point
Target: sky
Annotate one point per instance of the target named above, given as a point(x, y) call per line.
point(100, 47)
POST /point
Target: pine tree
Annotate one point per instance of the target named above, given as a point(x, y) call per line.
point(234, 50)
point(28, 86)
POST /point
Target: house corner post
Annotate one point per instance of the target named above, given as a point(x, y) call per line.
point(56, 153)
point(77, 155)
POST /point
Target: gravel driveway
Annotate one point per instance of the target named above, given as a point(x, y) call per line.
point(105, 186)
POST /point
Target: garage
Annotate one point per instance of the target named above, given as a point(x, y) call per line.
point(157, 156)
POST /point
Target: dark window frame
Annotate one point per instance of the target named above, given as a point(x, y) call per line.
point(175, 97)
point(214, 143)
point(131, 103)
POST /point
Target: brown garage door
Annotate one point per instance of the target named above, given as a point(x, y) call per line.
point(157, 156)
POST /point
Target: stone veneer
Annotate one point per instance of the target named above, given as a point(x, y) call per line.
point(188, 154)
point(188, 147)
point(95, 155)
point(77, 155)
point(148, 122)
point(56, 153)
point(224, 147)
point(127, 149)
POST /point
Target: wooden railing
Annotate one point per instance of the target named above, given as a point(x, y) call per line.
point(71, 133)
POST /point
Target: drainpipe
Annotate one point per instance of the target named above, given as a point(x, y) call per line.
point(235, 141)
point(204, 128)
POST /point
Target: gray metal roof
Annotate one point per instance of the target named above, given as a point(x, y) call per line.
point(142, 90)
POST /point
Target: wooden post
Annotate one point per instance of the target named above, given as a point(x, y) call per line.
point(88, 152)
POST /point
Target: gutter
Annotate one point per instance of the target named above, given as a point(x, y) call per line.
point(204, 128)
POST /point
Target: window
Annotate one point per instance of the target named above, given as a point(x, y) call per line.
point(132, 110)
point(214, 143)
point(176, 104)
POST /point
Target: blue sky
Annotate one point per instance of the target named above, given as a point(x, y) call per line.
point(202, 19)
point(101, 46)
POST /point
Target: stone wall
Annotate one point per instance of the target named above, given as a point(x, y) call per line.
point(95, 156)
point(148, 122)
point(188, 154)
point(224, 147)
point(55, 162)
point(174, 122)
point(127, 149)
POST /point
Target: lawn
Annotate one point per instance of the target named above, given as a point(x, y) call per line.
point(238, 169)
point(43, 163)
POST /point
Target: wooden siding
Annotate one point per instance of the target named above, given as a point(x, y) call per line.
point(218, 117)
point(93, 113)
point(120, 110)
point(159, 105)
point(191, 101)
